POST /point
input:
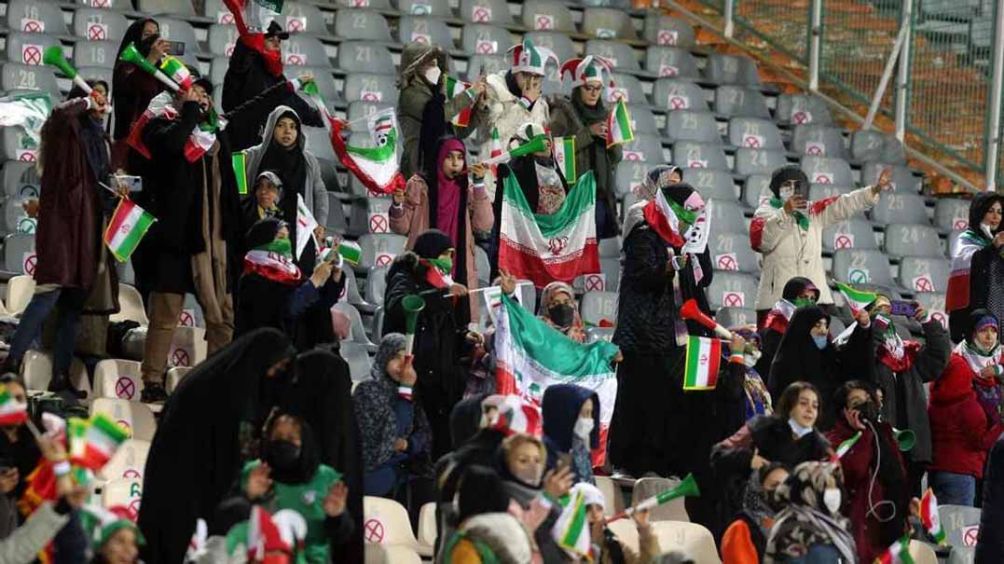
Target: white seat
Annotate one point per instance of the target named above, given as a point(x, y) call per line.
point(922, 553)
point(130, 307)
point(599, 306)
point(358, 359)
point(691, 539)
point(357, 331)
point(118, 379)
point(36, 370)
point(381, 554)
point(174, 376)
point(427, 525)
point(134, 416)
point(612, 495)
point(390, 517)
point(128, 461)
point(675, 510)
point(122, 492)
point(19, 291)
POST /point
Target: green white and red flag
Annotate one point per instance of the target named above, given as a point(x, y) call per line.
point(93, 444)
point(454, 88)
point(898, 553)
point(564, 157)
point(704, 358)
point(857, 300)
point(176, 71)
point(619, 125)
point(930, 518)
point(12, 412)
point(126, 229)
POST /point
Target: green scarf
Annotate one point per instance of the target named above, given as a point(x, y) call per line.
point(800, 218)
point(283, 247)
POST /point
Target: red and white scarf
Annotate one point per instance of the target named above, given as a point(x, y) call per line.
point(201, 139)
point(272, 266)
point(977, 360)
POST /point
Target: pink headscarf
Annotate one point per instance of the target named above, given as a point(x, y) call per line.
point(448, 198)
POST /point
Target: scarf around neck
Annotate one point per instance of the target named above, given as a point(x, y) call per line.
point(977, 360)
point(272, 266)
point(897, 354)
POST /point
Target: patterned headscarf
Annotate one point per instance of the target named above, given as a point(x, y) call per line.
point(657, 178)
point(390, 345)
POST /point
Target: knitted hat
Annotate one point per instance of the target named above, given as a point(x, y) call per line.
point(588, 69)
point(530, 58)
point(101, 524)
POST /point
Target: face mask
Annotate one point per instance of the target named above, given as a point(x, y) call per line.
point(529, 477)
point(432, 74)
point(831, 499)
point(798, 429)
point(773, 500)
point(282, 247)
point(987, 230)
point(868, 410)
point(561, 315)
point(786, 192)
point(281, 455)
point(820, 341)
point(445, 265)
point(583, 426)
point(803, 302)
point(750, 358)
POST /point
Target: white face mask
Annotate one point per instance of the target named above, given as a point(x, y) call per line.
point(583, 427)
point(432, 74)
point(786, 192)
point(799, 430)
point(831, 499)
point(751, 358)
point(987, 230)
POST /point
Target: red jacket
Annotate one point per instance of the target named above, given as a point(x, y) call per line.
point(961, 433)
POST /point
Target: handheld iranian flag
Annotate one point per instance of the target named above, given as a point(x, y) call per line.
point(704, 358)
point(496, 149)
point(846, 446)
point(305, 225)
point(350, 251)
point(239, 161)
point(930, 518)
point(898, 553)
point(454, 88)
point(532, 356)
point(100, 441)
point(176, 71)
point(571, 530)
point(376, 167)
point(12, 412)
point(857, 300)
point(126, 229)
point(254, 15)
point(563, 149)
point(619, 125)
point(435, 277)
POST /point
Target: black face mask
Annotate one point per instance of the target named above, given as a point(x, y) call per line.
point(774, 501)
point(561, 314)
point(869, 411)
point(544, 161)
point(282, 455)
point(146, 45)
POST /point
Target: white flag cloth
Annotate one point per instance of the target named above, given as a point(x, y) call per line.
point(305, 225)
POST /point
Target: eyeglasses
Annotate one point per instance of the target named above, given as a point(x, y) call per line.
point(593, 87)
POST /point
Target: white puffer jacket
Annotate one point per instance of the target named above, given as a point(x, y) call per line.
point(790, 251)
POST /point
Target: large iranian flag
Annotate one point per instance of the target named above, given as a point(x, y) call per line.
point(532, 356)
point(544, 248)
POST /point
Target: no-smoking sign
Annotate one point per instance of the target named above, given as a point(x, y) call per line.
point(843, 241)
point(28, 262)
point(97, 31)
point(727, 261)
point(733, 299)
point(823, 178)
point(180, 357)
point(634, 156)
point(801, 117)
point(31, 25)
point(753, 141)
point(485, 47)
point(668, 70)
point(595, 282)
point(667, 37)
point(296, 24)
point(970, 535)
point(125, 388)
point(373, 531)
point(543, 22)
point(678, 102)
point(481, 14)
point(383, 259)
point(815, 149)
point(379, 223)
point(31, 54)
point(923, 283)
point(186, 318)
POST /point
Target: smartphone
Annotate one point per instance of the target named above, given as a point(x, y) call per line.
point(177, 47)
point(564, 461)
point(904, 308)
point(135, 183)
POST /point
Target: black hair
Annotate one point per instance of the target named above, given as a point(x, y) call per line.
point(789, 397)
point(840, 397)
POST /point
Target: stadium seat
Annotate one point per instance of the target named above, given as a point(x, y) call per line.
point(674, 510)
point(361, 24)
point(801, 109)
point(485, 39)
point(301, 17)
point(691, 539)
point(128, 462)
point(827, 170)
point(558, 42)
point(124, 492)
point(903, 179)
point(678, 94)
point(221, 40)
point(27, 48)
point(690, 125)
point(819, 141)
point(626, 86)
point(393, 518)
point(738, 101)
point(716, 184)
point(611, 494)
point(360, 56)
point(357, 330)
point(755, 189)
point(174, 377)
point(735, 317)
point(629, 175)
point(180, 30)
point(427, 525)
point(19, 252)
point(608, 23)
point(731, 252)
point(691, 155)
point(483, 65)
point(482, 265)
point(120, 5)
point(373, 88)
point(351, 295)
point(36, 370)
point(758, 161)
point(390, 554)
point(727, 215)
point(900, 207)
point(668, 31)
point(217, 11)
point(924, 274)
point(862, 267)
point(20, 180)
point(118, 379)
point(610, 247)
point(95, 53)
point(642, 119)
point(732, 289)
point(376, 285)
point(95, 24)
point(130, 307)
point(181, 8)
point(822, 191)
point(620, 55)
point(304, 51)
point(545, 15)
point(644, 148)
point(435, 8)
point(358, 359)
point(914, 240)
point(855, 233)
point(922, 553)
point(671, 62)
point(597, 307)
point(319, 143)
point(754, 133)
point(951, 214)
point(875, 146)
point(610, 267)
point(17, 76)
point(35, 16)
point(359, 110)
point(494, 12)
point(424, 29)
point(97, 73)
point(133, 416)
point(731, 69)
point(19, 291)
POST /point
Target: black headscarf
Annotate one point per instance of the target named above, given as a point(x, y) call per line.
point(431, 244)
point(465, 419)
point(432, 131)
point(481, 491)
point(92, 134)
point(784, 174)
point(796, 286)
point(798, 358)
point(134, 34)
point(262, 232)
point(978, 208)
point(598, 159)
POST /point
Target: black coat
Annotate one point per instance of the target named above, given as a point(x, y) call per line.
point(301, 312)
point(990, 543)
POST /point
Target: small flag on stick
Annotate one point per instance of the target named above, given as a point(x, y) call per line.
point(704, 357)
point(898, 553)
point(930, 518)
point(564, 157)
point(126, 229)
point(454, 88)
point(857, 300)
point(619, 126)
point(12, 412)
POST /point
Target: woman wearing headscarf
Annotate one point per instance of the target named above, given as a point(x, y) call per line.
point(875, 477)
point(811, 526)
point(745, 539)
point(990, 543)
point(132, 87)
point(486, 532)
point(977, 251)
point(224, 402)
point(788, 231)
point(263, 203)
point(806, 353)
point(798, 292)
point(585, 119)
point(442, 198)
point(394, 430)
point(559, 310)
point(571, 427)
point(441, 329)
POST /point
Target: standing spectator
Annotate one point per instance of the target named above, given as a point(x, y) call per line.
point(585, 119)
point(982, 354)
point(256, 66)
point(423, 111)
point(745, 540)
point(560, 311)
point(132, 87)
point(977, 250)
point(756, 398)
point(73, 263)
point(283, 150)
point(571, 427)
point(962, 431)
point(807, 353)
point(901, 369)
point(263, 204)
point(788, 231)
point(798, 292)
point(393, 427)
point(990, 544)
point(442, 198)
point(875, 478)
point(486, 531)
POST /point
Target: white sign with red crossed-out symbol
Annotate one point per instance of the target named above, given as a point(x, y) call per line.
point(970, 535)
point(843, 241)
point(634, 156)
point(373, 531)
point(419, 37)
point(379, 223)
point(801, 117)
point(179, 356)
point(132, 473)
point(696, 163)
point(677, 102)
point(125, 388)
point(125, 425)
point(815, 149)
point(383, 259)
point(27, 155)
point(543, 22)
point(923, 283)
point(733, 299)
point(360, 3)
point(296, 24)
point(101, 3)
point(753, 141)
point(31, 25)
point(616, 94)
point(296, 59)
point(97, 31)
point(186, 318)
point(822, 178)
point(28, 263)
point(481, 14)
point(31, 54)
point(667, 37)
point(594, 282)
point(940, 317)
point(486, 47)
point(960, 224)
point(727, 261)
point(224, 17)
point(668, 70)
point(371, 96)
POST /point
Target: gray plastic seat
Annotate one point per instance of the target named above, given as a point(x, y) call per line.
point(756, 188)
point(303, 18)
point(424, 29)
point(822, 191)
point(370, 88)
point(739, 101)
point(608, 23)
point(610, 247)
point(731, 69)
point(732, 252)
point(678, 94)
point(629, 174)
point(903, 179)
point(900, 207)
point(218, 69)
point(17, 248)
point(544, 15)
point(643, 120)
point(325, 84)
point(180, 30)
point(626, 85)
point(668, 31)
point(730, 317)
point(825, 170)
point(558, 42)
point(671, 62)
point(183, 8)
point(27, 48)
point(860, 266)
point(361, 24)
point(819, 141)
point(95, 53)
point(479, 65)
point(436, 8)
point(931, 301)
point(379, 249)
point(18, 146)
point(732, 289)
point(754, 133)
point(359, 56)
point(358, 359)
point(485, 39)
point(727, 216)
point(30, 78)
point(221, 39)
point(599, 306)
point(20, 180)
point(319, 143)
point(951, 214)
point(912, 239)
point(875, 146)
point(376, 285)
point(620, 55)
point(119, 5)
point(485, 12)
point(35, 16)
point(757, 161)
point(336, 215)
point(374, 4)
point(97, 73)
point(688, 154)
point(217, 11)
point(855, 233)
point(644, 148)
point(95, 24)
point(690, 125)
point(801, 109)
point(304, 51)
point(924, 274)
point(716, 184)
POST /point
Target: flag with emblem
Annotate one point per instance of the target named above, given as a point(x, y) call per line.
point(12, 412)
point(377, 166)
point(176, 71)
point(704, 358)
point(532, 355)
point(930, 518)
point(126, 229)
point(619, 126)
point(434, 276)
point(857, 300)
point(564, 156)
point(98, 443)
point(254, 15)
point(27, 111)
point(454, 88)
point(898, 553)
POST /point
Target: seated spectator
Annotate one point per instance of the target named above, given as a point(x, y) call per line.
point(272, 291)
point(289, 475)
point(990, 543)
point(559, 310)
point(487, 532)
point(977, 250)
point(263, 203)
point(571, 427)
point(878, 494)
point(810, 528)
point(757, 400)
point(607, 548)
point(394, 430)
point(114, 537)
point(745, 539)
point(798, 292)
point(983, 355)
point(18, 447)
point(788, 231)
